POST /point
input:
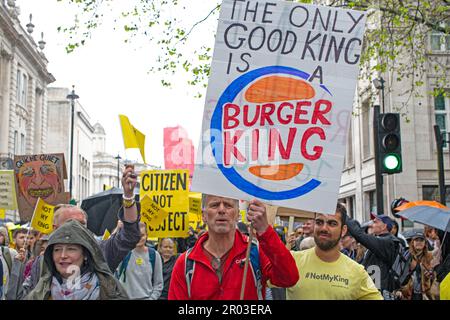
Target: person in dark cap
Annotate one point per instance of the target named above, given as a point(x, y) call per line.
point(419, 284)
point(383, 248)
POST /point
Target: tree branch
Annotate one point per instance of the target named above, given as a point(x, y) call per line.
point(197, 23)
point(421, 20)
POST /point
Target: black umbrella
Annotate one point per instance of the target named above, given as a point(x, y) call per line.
point(102, 209)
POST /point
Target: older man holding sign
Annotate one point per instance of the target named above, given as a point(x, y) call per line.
point(214, 268)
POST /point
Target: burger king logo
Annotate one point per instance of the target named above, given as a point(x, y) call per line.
point(271, 124)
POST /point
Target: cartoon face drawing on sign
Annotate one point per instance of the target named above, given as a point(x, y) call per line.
point(39, 179)
point(273, 123)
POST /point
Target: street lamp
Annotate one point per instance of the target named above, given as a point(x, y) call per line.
point(379, 85)
point(118, 169)
point(72, 96)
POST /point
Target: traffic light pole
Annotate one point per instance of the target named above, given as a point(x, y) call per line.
point(440, 159)
point(378, 175)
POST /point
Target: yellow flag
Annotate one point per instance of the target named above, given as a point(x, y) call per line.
point(43, 217)
point(132, 137)
point(106, 187)
point(106, 235)
point(2, 214)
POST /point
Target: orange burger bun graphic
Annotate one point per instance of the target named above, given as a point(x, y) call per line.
point(276, 89)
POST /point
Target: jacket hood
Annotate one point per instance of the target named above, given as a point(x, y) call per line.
point(73, 232)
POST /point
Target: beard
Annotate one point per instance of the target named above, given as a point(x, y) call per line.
point(326, 245)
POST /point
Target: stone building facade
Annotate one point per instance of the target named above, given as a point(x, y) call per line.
point(23, 89)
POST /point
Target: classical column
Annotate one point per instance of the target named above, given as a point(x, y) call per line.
point(38, 121)
point(5, 81)
point(32, 115)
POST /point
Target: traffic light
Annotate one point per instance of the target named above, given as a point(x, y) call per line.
point(389, 143)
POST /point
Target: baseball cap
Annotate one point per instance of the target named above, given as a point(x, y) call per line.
point(418, 235)
point(386, 220)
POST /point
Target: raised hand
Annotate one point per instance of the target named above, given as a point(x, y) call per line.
point(129, 180)
point(257, 216)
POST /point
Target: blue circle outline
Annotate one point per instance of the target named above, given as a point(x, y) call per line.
point(231, 174)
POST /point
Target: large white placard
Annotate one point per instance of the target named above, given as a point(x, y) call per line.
point(279, 103)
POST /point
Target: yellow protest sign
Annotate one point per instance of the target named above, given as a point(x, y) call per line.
point(43, 217)
point(106, 235)
point(195, 209)
point(194, 220)
point(195, 203)
point(2, 214)
point(169, 189)
point(151, 213)
point(8, 199)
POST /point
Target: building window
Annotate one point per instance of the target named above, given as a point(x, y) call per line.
point(83, 177)
point(22, 143)
point(432, 193)
point(349, 203)
point(371, 198)
point(16, 142)
point(366, 126)
point(351, 206)
point(22, 88)
point(441, 114)
point(439, 41)
point(19, 85)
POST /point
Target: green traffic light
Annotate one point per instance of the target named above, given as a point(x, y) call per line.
point(391, 162)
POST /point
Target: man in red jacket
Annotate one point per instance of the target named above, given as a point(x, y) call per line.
point(217, 259)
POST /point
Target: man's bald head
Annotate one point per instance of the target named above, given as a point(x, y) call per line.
point(64, 212)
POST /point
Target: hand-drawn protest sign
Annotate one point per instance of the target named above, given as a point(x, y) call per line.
point(39, 176)
point(42, 219)
point(169, 189)
point(279, 103)
point(195, 203)
point(7, 190)
point(151, 213)
point(195, 209)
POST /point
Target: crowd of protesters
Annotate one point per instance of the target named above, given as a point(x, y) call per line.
point(325, 257)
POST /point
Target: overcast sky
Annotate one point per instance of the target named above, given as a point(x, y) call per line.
point(112, 77)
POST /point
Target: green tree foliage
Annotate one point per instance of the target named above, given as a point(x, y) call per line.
point(396, 39)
